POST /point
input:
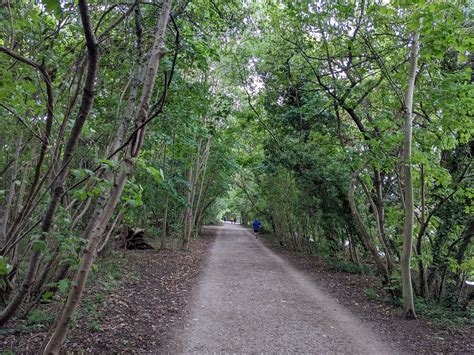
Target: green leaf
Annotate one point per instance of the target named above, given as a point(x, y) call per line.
point(39, 246)
point(157, 174)
point(47, 295)
point(80, 194)
point(63, 285)
point(52, 6)
point(109, 163)
point(5, 268)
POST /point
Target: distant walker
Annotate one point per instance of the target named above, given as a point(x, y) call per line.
point(256, 227)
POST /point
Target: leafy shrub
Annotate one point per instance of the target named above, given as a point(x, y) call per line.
point(394, 301)
point(40, 318)
point(453, 315)
point(370, 294)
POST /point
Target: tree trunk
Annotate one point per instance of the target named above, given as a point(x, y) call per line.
point(22, 189)
point(11, 192)
point(58, 188)
point(423, 277)
point(380, 230)
point(363, 233)
point(100, 220)
point(106, 239)
point(164, 232)
point(165, 213)
point(202, 190)
point(88, 257)
point(188, 211)
point(408, 305)
point(380, 215)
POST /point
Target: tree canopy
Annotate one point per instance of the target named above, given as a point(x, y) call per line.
point(336, 123)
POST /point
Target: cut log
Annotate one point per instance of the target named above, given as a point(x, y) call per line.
point(133, 238)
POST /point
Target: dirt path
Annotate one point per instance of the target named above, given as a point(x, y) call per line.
point(251, 300)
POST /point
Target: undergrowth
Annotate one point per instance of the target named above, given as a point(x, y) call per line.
point(108, 276)
point(451, 316)
point(348, 266)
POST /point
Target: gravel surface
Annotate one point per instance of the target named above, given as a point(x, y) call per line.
point(251, 300)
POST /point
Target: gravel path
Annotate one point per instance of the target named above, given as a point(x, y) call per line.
point(250, 300)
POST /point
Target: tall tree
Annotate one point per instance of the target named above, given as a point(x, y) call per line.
point(408, 306)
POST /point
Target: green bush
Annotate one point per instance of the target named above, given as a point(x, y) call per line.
point(453, 315)
point(40, 318)
point(370, 294)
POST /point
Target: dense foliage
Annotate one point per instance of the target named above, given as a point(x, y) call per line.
point(289, 111)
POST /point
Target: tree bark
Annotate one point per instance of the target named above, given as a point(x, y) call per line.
point(164, 231)
point(364, 234)
point(408, 305)
point(11, 192)
point(188, 210)
point(380, 230)
point(58, 186)
point(101, 219)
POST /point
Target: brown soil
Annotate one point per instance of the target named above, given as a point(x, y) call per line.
point(135, 317)
point(149, 309)
point(415, 336)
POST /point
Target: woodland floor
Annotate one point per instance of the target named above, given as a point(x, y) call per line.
point(150, 307)
point(135, 313)
point(424, 335)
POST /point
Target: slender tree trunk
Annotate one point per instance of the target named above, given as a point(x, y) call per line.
point(54, 344)
point(363, 233)
point(88, 257)
point(11, 192)
point(408, 305)
point(165, 213)
point(202, 191)
point(188, 210)
point(380, 230)
point(164, 232)
point(423, 282)
point(379, 202)
point(58, 187)
point(116, 221)
point(194, 174)
point(22, 189)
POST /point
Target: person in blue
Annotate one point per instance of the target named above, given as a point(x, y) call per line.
point(256, 227)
